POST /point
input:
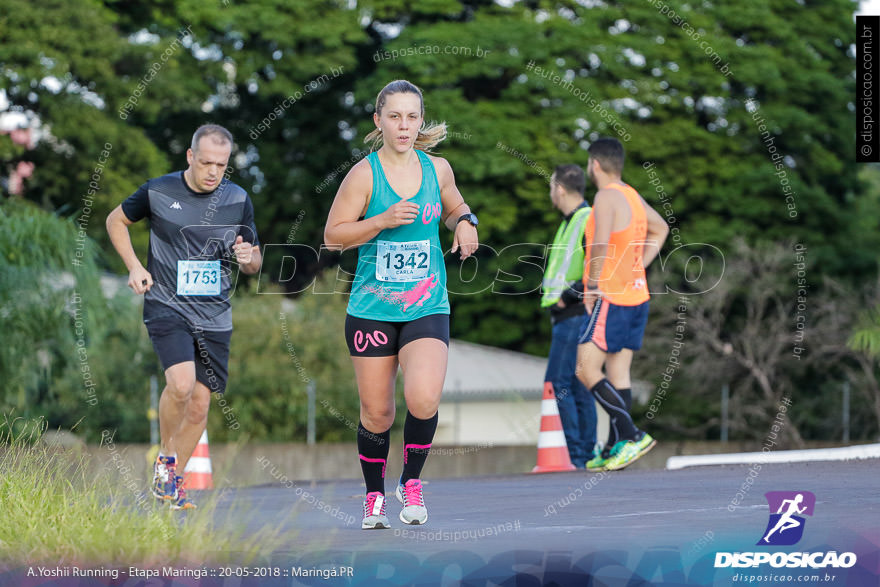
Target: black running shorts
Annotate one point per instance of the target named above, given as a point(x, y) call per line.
point(377, 338)
point(177, 341)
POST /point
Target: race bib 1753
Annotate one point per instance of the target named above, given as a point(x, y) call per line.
point(198, 278)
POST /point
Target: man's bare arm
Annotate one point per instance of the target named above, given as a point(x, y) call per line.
point(139, 279)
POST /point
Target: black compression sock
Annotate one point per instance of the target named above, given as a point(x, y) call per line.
point(373, 452)
point(417, 437)
point(611, 401)
point(627, 394)
point(613, 434)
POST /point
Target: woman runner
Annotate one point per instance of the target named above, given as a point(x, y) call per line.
point(390, 206)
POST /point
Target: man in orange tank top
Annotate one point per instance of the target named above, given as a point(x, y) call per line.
point(623, 234)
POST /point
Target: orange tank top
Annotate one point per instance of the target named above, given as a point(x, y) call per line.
point(622, 281)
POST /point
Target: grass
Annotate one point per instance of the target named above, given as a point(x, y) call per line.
point(59, 509)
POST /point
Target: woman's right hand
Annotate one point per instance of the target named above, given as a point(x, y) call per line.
point(403, 212)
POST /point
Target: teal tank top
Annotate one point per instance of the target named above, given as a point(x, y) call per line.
point(401, 275)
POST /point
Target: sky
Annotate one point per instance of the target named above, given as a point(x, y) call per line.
point(869, 7)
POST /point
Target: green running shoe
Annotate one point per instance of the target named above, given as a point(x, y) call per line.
point(630, 452)
point(600, 459)
point(646, 443)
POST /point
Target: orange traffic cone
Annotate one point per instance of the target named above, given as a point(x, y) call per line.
point(552, 449)
point(197, 473)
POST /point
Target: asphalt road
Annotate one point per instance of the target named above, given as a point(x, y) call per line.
point(623, 528)
point(628, 528)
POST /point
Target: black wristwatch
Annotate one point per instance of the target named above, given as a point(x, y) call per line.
point(472, 218)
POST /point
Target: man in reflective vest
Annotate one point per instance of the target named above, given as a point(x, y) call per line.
point(562, 290)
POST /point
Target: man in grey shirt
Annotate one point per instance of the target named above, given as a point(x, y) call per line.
point(199, 222)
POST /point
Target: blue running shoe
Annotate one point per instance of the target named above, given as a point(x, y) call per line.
point(164, 486)
point(182, 502)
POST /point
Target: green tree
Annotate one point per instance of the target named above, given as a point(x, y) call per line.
point(63, 67)
point(76, 357)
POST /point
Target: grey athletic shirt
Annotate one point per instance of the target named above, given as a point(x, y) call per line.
point(192, 227)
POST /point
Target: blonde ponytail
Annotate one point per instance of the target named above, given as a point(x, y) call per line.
point(374, 139)
point(430, 136)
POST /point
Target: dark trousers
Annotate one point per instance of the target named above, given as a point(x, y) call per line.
point(577, 409)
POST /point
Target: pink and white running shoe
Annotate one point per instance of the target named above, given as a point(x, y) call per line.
point(410, 495)
point(374, 512)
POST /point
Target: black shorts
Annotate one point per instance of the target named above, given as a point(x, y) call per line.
point(377, 338)
point(177, 341)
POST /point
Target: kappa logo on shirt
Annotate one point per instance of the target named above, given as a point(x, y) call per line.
point(175, 206)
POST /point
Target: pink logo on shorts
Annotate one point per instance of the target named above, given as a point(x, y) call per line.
point(362, 341)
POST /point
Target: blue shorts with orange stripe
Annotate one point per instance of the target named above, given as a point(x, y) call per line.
point(613, 328)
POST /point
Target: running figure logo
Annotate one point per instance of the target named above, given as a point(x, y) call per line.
point(786, 526)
